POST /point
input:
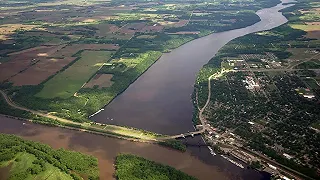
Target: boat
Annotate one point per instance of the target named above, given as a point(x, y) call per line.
point(211, 151)
point(233, 162)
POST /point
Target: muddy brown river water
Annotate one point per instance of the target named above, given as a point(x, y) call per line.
point(106, 149)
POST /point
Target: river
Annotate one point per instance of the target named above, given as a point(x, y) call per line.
point(158, 101)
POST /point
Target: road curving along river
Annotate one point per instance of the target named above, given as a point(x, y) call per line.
point(158, 101)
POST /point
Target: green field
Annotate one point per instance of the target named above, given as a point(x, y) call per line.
point(66, 83)
point(306, 27)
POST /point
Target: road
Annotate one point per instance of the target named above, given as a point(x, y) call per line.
point(309, 59)
point(273, 70)
point(216, 75)
point(12, 104)
point(114, 131)
point(201, 117)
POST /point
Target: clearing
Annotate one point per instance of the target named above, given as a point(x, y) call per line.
point(100, 80)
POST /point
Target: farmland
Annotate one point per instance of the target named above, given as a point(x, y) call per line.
point(100, 80)
point(66, 83)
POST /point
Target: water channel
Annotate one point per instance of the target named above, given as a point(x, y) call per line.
point(158, 101)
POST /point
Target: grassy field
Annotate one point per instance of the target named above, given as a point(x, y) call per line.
point(305, 27)
point(52, 173)
point(66, 83)
point(123, 131)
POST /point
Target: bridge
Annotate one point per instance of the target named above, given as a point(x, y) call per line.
point(184, 135)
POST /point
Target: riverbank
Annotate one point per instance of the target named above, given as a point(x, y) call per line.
point(106, 149)
point(130, 134)
point(104, 129)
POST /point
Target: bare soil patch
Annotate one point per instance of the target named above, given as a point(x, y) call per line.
point(101, 80)
point(31, 51)
point(40, 71)
point(135, 26)
point(174, 24)
point(21, 60)
point(312, 23)
point(105, 29)
point(7, 29)
point(11, 68)
point(313, 34)
point(154, 28)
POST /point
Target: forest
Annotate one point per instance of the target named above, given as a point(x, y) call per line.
point(29, 159)
point(175, 144)
point(131, 167)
